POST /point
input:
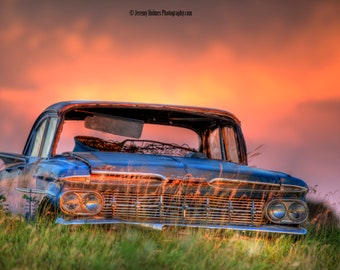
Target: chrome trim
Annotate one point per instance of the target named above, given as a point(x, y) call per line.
point(161, 226)
point(122, 175)
point(75, 176)
point(128, 179)
point(240, 181)
point(86, 178)
point(186, 209)
point(132, 174)
point(31, 190)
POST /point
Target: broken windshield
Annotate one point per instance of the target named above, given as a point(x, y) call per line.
point(154, 139)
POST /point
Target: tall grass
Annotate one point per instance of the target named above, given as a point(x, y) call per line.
point(40, 245)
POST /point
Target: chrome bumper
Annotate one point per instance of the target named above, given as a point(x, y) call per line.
point(160, 226)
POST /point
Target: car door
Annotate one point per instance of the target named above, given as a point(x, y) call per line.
point(18, 186)
point(11, 167)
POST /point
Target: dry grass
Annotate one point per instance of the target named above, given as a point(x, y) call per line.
point(37, 245)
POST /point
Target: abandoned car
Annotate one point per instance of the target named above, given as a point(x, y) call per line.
point(147, 164)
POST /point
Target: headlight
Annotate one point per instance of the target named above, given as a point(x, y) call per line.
point(92, 202)
point(70, 202)
point(298, 212)
point(276, 211)
point(286, 211)
point(81, 203)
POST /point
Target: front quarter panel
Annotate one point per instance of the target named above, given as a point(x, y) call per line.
point(23, 185)
point(11, 170)
point(48, 174)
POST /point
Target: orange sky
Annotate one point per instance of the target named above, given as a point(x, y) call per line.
point(275, 65)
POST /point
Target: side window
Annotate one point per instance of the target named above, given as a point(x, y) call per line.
point(38, 139)
point(2, 165)
point(215, 144)
point(49, 137)
point(223, 144)
point(43, 138)
point(231, 144)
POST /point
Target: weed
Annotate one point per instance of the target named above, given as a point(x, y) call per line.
point(36, 245)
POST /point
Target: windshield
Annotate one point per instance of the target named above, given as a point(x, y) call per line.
point(154, 139)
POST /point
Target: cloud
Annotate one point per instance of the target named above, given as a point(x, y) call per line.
point(45, 32)
point(15, 126)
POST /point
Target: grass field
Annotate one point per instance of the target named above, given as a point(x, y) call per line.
point(41, 245)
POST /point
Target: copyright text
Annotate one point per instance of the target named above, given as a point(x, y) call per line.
point(160, 13)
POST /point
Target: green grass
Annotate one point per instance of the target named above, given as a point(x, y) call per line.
point(40, 245)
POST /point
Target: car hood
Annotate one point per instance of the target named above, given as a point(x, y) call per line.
point(181, 168)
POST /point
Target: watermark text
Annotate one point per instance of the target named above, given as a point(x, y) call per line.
point(160, 13)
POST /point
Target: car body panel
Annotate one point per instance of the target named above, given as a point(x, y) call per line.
point(179, 168)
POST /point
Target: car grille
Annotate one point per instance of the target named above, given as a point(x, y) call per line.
point(182, 209)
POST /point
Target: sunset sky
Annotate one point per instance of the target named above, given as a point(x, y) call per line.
point(274, 64)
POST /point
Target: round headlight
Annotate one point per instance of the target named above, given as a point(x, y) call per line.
point(276, 211)
point(92, 202)
point(69, 202)
point(297, 212)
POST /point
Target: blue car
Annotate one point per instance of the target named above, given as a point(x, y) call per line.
point(88, 162)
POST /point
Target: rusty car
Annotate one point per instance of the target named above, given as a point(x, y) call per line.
point(153, 165)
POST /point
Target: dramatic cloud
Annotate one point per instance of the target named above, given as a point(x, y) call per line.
point(262, 32)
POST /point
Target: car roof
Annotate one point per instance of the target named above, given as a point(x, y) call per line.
point(65, 106)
